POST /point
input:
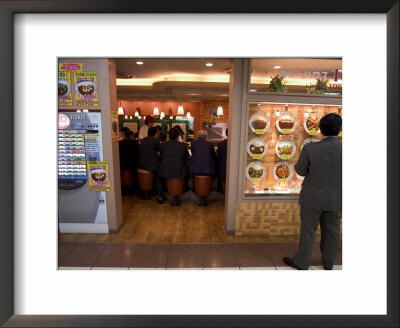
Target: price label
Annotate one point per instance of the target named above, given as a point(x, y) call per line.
point(313, 132)
point(260, 131)
point(285, 156)
point(283, 182)
point(257, 156)
point(255, 180)
point(286, 137)
point(286, 131)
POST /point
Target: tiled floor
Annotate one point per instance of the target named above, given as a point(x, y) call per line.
point(119, 256)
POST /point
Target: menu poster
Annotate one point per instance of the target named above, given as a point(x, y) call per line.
point(98, 176)
point(114, 126)
point(69, 67)
point(64, 89)
point(86, 89)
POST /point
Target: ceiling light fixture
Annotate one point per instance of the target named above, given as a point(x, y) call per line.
point(209, 64)
point(130, 117)
point(180, 110)
point(220, 110)
point(162, 115)
point(121, 110)
point(139, 62)
point(156, 112)
point(276, 67)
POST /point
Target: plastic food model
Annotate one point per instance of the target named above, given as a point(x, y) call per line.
point(85, 87)
point(283, 171)
point(257, 148)
point(286, 124)
point(285, 149)
point(311, 125)
point(255, 171)
point(98, 176)
point(259, 123)
point(62, 89)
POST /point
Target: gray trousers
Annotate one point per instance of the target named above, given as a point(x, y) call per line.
point(330, 236)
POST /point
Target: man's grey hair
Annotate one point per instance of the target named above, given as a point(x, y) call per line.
point(202, 134)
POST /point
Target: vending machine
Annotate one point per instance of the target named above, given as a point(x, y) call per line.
point(79, 141)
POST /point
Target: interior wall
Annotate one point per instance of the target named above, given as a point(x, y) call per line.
point(114, 207)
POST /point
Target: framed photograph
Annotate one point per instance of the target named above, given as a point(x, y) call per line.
point(133, 125)
point(185, 298)
point(184, 125)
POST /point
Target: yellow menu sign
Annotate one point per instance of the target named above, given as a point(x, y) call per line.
point(98, 176)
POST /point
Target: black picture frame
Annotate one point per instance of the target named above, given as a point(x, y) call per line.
point(7, 11)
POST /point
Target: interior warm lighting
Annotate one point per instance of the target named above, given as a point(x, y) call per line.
point(188, 116)
point(162, 115)
point(136, 114)
point(144, 117)
point(180, 110)
point(156, 112)
point(171, 117)
point(130, 117)
point(139, 62)
point(220, 111)
point(276, 67)
point(121, 110)
point(126, 117)
point(209, 64)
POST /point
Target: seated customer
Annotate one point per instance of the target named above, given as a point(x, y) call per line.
point(221, 157)
point(149, 158)
point(128, 157)
point(203, 155)
point(173, 155)
point(181, 136)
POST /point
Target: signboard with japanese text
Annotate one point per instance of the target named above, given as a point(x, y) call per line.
point(114, 126)
point(86, 89)
point(64, 89)
point(70, 67)
point(98, 176)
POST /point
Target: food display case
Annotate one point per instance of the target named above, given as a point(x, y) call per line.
point(276, 134)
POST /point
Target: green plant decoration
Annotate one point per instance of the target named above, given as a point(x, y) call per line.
point(320, 87)
point(277, 84)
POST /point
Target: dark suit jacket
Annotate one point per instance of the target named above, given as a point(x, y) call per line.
point(203, 157)
point(221, 158)
point(173, 155)
point(128, 154)
point(148, 154)
point(321, 164)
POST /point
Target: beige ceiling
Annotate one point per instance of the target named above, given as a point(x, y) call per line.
point(189, 79)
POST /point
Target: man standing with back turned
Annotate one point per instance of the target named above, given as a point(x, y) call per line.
point(321, 195)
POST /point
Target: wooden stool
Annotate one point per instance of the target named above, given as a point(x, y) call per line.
point(146, 182)
point(202, 186)
point(175, 189)
point(127, 180)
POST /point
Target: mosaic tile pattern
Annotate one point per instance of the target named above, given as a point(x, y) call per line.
point(268, 219)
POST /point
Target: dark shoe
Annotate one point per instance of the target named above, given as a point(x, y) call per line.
point(160, 200)
point(328, 267)
point(288, 261)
